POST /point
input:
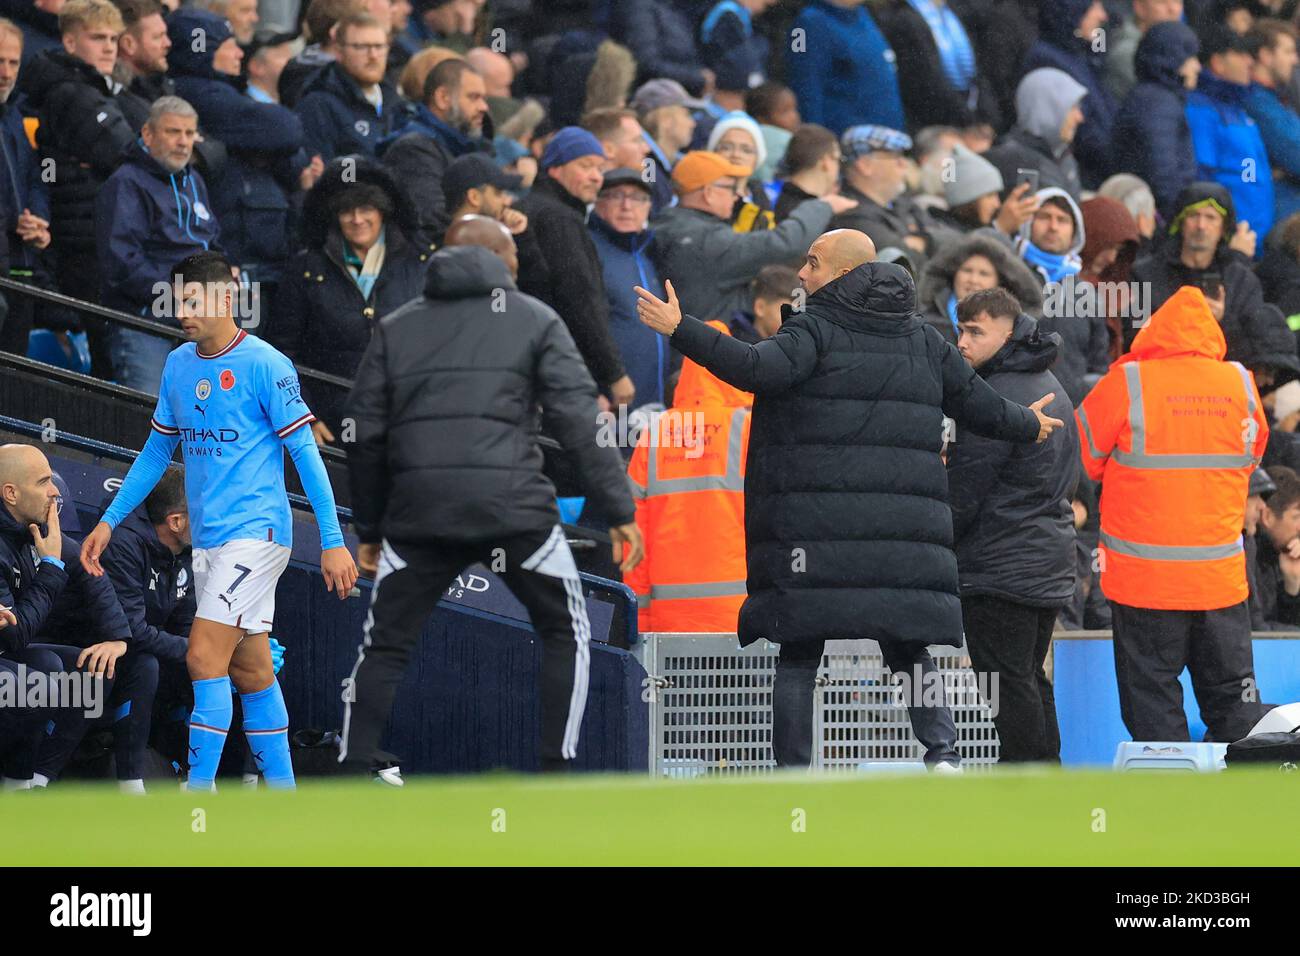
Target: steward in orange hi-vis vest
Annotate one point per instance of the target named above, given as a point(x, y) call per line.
point(1173, 431)
point(688, 479)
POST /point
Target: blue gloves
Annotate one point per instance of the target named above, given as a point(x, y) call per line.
point(277, 655)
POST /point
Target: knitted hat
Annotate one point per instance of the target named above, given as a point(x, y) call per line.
point(739, 120)
point(973, 176)
point(570, 143)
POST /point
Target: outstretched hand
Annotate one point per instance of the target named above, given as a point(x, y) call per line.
point(663, 317)
point(1046, 424)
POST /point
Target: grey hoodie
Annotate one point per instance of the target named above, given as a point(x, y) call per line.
point(1043, 99)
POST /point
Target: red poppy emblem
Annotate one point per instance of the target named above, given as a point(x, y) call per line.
point(227, 380)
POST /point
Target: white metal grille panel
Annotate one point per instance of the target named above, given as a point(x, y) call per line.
point(711, 706)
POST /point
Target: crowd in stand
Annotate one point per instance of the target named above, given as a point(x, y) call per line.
point(1067, 151)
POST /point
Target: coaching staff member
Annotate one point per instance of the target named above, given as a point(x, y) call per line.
point(446, 468)
point(847, 528)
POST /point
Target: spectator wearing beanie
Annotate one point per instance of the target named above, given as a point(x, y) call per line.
point(1066, 42)
point(1110, 248)
point(842, 69)
point(1204, 238)
point(570, 178)
point(1049, 115)
point(943, 84)
point(711, 265)
point(1152, 138)
point(733, 51)
point(737, 138)
point(1227, 141)
point(973, 194)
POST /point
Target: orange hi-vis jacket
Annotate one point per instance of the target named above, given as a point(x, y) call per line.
point(688, 478)
point(1173, 431)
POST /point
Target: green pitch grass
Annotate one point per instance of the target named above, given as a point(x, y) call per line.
point(1034, 817)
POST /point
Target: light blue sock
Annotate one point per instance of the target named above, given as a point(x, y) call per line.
point(209, 722)
point(266, 725)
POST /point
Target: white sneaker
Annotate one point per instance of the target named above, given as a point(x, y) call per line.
point(948, 768)
point(391, 775)
point(131, 786)
point(250, 780)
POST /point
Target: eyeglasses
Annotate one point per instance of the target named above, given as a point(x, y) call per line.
point(737, 149)
point(631, 197)
point(368, 47)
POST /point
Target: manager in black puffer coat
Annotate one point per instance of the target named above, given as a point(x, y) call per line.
point(1013, 524)
point(847, 527)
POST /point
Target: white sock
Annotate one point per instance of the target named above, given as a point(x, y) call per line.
point(11, 784)
point(131, 786)
point(40, 780)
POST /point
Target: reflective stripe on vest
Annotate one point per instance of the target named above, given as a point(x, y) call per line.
point(1138, 456)
point(1171, 552)
point(669, 592)
point(638, 489)
point(733, 480)
point(1087, 433)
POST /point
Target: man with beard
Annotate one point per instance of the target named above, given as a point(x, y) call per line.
point(447, 125)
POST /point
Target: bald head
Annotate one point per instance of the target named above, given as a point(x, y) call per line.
point(488, 233)
point(834, 254)
point(26, 482)
point(496, 69)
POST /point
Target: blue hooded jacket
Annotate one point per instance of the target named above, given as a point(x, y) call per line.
point(625, 261)
point(1230, 150)
point(154, 587)
point(146, 221)
point(263, 142)
point(843, 71)
point(1152, 138)
point(1058, 47)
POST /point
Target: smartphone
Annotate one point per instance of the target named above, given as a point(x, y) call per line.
point(1211, 283)
point(1029, 176)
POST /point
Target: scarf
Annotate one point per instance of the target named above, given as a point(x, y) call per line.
point(365, 273)
point(1052, 266)
point(952, 311)
point(955, 53)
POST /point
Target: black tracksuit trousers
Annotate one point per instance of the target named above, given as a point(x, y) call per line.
point(539, 570)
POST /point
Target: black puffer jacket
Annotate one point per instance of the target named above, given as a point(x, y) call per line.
point(83, 129)
point(320, 319)
point(847, 528)
point(445, 404)
point(1012, 522)
point(28, 586)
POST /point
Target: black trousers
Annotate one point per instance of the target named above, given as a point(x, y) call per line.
point(1151, 649)
point(1008, 643)
point(793, 702)
point(539, 570)
point(129, 697)
point(23, 728)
